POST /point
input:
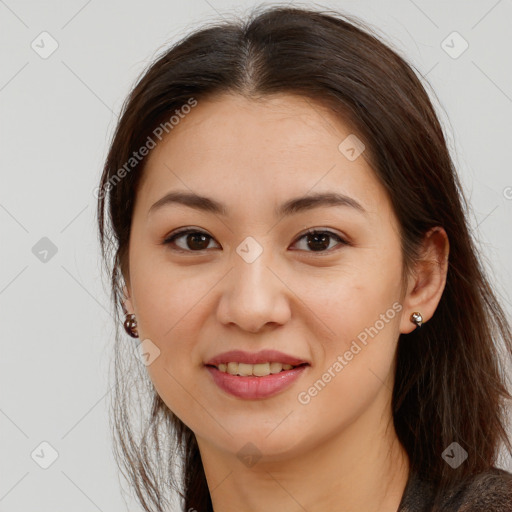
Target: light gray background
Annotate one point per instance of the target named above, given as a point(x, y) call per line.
point(57, 116)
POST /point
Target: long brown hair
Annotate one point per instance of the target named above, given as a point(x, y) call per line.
point(449, 384)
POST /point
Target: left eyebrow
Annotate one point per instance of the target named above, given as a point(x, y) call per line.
point(290, 207)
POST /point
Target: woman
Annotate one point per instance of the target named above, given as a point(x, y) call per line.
point(286, 233)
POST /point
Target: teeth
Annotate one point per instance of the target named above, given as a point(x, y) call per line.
point(261, 369)
point(232, 368)
point(275, 367)
point(244, 369)
point(258, 370)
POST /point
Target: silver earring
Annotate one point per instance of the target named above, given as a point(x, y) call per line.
point(417, 319)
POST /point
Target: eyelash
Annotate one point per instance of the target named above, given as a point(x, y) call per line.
point(170, 239)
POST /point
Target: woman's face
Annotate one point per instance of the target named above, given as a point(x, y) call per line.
point(256, 280)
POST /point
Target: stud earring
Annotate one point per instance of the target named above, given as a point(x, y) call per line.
point(130, 325)
point(417, 319)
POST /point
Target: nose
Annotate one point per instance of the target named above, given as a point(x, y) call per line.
point(254, 296)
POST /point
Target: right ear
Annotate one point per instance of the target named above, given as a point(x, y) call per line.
point(127, 303)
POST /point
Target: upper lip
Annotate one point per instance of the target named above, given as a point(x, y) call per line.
point(263, 356)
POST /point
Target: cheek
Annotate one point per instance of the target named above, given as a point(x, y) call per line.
point(166, 296)
point(357, 369)
point(366, 326)
point(171, 313)
point(357, 298)
point(363, 316)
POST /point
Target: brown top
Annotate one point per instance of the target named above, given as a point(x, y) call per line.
point(490, 491)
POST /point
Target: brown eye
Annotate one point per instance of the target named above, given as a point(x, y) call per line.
point(319, 241)
point(194, 240)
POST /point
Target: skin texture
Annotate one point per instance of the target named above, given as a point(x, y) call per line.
point(339, 451)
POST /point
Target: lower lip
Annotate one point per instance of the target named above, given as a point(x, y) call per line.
point(252, 388)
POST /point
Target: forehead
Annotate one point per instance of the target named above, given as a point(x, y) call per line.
point(272, 148)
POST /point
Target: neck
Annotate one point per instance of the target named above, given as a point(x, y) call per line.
point(361, 467)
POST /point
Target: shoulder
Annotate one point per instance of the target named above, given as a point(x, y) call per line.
point(490, 490)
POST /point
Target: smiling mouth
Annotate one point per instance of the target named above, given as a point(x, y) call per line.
point(254, 370)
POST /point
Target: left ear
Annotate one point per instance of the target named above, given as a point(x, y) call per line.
point(428, 278)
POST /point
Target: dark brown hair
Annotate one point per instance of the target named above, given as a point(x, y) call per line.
point(449, 385)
